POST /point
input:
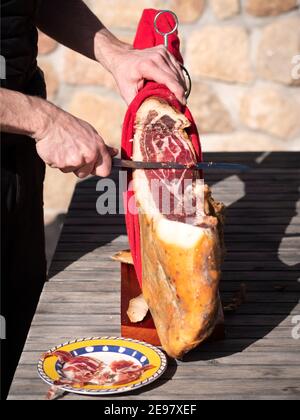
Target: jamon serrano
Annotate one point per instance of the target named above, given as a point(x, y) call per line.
point(182, 248)
point(79, 371)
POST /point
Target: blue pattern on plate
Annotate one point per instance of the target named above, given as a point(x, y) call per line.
point(114, 349)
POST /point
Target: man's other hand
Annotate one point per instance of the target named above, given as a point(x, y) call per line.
point(131, 67)
point(73, 145)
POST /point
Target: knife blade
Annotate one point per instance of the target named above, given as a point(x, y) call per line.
point(131, 164)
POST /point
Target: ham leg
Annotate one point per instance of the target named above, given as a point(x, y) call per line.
point(182, 248)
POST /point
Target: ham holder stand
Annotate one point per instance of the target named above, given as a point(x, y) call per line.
point(130, 288)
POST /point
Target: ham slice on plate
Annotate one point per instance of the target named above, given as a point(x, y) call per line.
point(181, 236)
point(79, 371)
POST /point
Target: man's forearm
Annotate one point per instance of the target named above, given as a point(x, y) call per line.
point(63, 141)
point(74, 25)
point(22, 114)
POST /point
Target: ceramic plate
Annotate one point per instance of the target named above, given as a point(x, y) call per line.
point(109, 352)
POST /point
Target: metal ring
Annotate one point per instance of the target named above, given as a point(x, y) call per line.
point(188, 92)
point(165, 35)
point(156, 18)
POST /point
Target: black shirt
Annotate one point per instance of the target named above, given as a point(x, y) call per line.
point(19, 42)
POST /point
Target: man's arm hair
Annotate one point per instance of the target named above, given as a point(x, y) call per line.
point(22, 114)
point(63, 141)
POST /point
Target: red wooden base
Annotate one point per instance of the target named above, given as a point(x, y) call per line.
point(145, 330)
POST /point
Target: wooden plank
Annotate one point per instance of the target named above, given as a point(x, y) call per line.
point(229, 229)
point(267, 229)
point(233, 215)
point(238, 339)
point(111, 296)
point(95, 238)
point(228, 346)
point(287, 245)
point(233, 257)
point(243, 320)
point(88, 247)
point(241, 204)
point(276, 159)
point(235, 372)
point(253, 169)
point(258, 332)
point(230, 238)
point(107, 263)
point(257, 358)
point(219, 195)
point(231, 211)
point(226, 286)
point(192, 389)
point(271, 320)
point(243, 276)
point(107, 251)
point(230, 221)
point(233, 322)
point(233, 184)
point(114, 308)
point(252, 156)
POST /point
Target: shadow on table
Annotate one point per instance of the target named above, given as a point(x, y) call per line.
point(85, 231)
point(52, 234)
point(268, 272)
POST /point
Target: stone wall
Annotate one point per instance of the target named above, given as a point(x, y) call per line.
point(244, 59)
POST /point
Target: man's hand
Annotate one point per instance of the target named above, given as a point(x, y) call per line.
point(73, 145)
point(63, 141)
point(131, 67)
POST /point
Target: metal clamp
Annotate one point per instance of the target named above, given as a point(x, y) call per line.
point(166, 35)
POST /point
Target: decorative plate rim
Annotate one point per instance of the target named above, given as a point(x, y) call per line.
point(94, 392)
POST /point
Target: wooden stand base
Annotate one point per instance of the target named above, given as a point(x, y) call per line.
point(145, 330)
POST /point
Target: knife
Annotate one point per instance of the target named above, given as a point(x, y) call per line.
point(131, 164)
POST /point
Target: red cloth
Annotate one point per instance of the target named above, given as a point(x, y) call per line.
point(147, 37)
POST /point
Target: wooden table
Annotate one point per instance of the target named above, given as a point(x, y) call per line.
point(259, 359)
